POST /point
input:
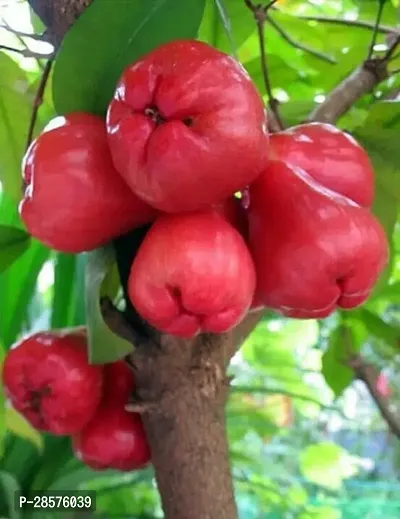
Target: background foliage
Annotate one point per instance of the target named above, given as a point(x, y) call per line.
point(305, 439)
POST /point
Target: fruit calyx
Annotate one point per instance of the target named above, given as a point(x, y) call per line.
point(158, 118)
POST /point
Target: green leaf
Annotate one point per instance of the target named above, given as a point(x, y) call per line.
point(13, 243)
point(11, 487)
point(385, 114)
point(391, 292)
point(382, 145)
point(104, 345)
point(226, 24)
point(327, 464)
point(17, 286)
point(320, 512)
point(16, 424)
point(377, 327)
point(337, 375)
point(64, 284)
point(15, 112)
point(108, 37)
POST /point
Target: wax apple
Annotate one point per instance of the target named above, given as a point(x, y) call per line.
point(48, 379)
point(193, 273)
point(332, 157)
point(314, 250)
point(187, 127)
point(74, 199)
point(114, 439)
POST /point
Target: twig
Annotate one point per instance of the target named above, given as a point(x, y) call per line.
point(21, 34)
point(367, 373)
point(38, 100)
point(391, 50)
point(260, 16)
point(283, 392)
point(26, 53)
point(385, 29)
point(116, 321)
point(376, 27)
point(298, 45)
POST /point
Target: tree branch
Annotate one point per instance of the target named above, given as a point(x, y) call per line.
point(260, 17)
point(385, 29)
point(360, 82)
point(367, 373)
point(298, 45)
point(20, 34)
point(376, 27)
point(26, 53)
point(38, 100)
point(58, 15)
point(391, 50)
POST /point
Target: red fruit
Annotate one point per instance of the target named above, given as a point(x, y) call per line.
point(75, 200)
point(48, 380)
point(118, 382)
point(187, 127)
point(234, 213)
point(313, 249)
point(330, 156)
point(114, 439)
point(193, 273)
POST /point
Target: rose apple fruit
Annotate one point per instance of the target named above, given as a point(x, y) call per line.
point(48, 380)
point(187, 127)
point(113, 439)
point(119, 382)
point(332, 157)
point(193, 273)
point(314, 250)
point(75, 200)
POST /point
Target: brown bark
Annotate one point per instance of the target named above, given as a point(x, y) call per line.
point(58, 15)
point(360, 82)
point(181, 393)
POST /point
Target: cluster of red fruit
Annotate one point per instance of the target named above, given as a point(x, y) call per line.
point(185, 132)
point(49, 381)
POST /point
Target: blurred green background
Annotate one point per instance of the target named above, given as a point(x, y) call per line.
point(306, 441)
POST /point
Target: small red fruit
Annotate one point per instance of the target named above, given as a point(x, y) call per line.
point(234, 213)
point(193, 273)
point(187, 127)
point(75, 200)
point(313, 249)
point(118, 382)
point(332, 157)
point(114, 439)
point(48, 380)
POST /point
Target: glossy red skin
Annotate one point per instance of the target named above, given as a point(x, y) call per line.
point(54, 366)
point(234, 213)
point(114, 439)
point(119, 382)
point(330, 156)
point(76, 200)
point(313, 249)
point(193, 273)
point(173, 166)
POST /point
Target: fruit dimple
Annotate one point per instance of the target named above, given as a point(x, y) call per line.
point(176, 294)
point(153, 112)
